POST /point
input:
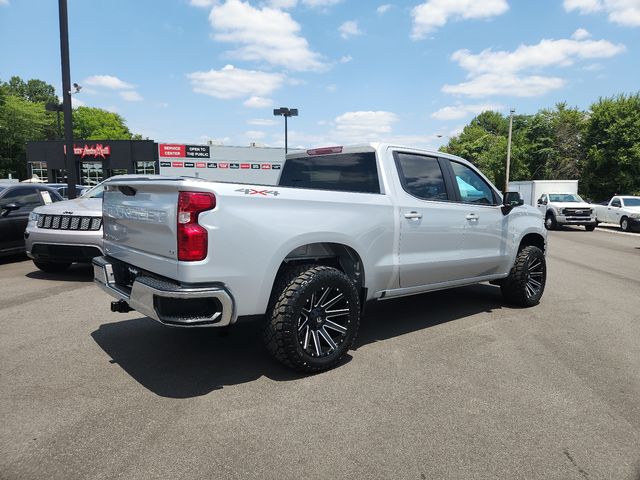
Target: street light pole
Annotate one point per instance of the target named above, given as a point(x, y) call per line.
point(286, 113)
point(70, 163)
point(506, 177)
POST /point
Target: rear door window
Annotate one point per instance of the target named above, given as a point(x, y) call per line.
point(421, 176)
point(349, 172)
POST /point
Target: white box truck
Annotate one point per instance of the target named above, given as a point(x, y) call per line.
point(531, 190)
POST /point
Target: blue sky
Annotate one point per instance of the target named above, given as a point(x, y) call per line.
point(407, 71)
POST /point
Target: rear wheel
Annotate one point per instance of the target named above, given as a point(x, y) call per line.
point(589, 228)
point(624, 224)
point(550, 222)
point(525, 284)
point(314, 320)
point(51, 267)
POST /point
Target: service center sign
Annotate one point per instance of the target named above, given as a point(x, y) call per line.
point(172, 150)
point(196, 161)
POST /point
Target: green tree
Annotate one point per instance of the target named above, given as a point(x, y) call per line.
point(96, 124)
point(554, 143)
point(33, 90)
point(20, 121)
point(612, 146)
point(484, 143)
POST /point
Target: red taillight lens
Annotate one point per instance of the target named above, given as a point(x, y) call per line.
point(193, 238)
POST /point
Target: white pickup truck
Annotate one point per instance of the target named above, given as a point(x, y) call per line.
point(342, 227)
point(621, 210)
point(566, 209)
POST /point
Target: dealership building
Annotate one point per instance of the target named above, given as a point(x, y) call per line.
point(96, 160)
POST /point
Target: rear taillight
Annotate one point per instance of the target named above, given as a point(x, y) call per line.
point(192, 237)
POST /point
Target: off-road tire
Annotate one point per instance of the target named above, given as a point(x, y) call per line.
point(624, 224)
point(296, 290)
point(589, 228)
point(550, 222)
point(517, 287)
point(51, 267)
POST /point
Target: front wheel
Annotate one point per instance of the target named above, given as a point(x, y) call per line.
point(624, 224)
point(525, 284)
point(550, 222)
point(314, 320)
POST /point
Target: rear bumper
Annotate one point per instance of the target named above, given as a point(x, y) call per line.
point(167, 302)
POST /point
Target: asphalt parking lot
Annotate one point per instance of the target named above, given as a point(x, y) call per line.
point(446, 385)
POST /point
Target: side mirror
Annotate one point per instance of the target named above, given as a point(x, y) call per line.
point(9, 207)
point(512, 199)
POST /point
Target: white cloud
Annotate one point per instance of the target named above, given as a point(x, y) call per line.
point(255, 135)
point(433, 14)
point(456, 112)
point(332, 88)
point(346, 59)
point(363, 126)
point(4, 2)
point(490, 84)
point(282, 3)
point(504, 72)
point(580, 34)
point(622, 12)
point(231, 82)
point(107, 81)
point(76, 102)
point(215, 141)
point(263, 34)
point(111, 108)
point(262, 122)
point(258, 102)
point(320, 3)
point(382, 9)
point(203, 3)
point(131, 96)
point(547, 53)
point(349, 29)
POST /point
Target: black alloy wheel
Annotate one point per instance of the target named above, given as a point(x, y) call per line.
point(314, 320)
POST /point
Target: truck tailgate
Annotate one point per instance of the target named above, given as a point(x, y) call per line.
point(140, 223)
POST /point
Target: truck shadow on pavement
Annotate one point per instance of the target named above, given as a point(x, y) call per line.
point(185, 363)
point(78, 272)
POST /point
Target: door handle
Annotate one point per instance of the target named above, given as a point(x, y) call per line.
point(472, 216)
point(413, 215)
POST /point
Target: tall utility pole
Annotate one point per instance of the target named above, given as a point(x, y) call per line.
point(286, 113)
point(69, 161)
point(506, 176)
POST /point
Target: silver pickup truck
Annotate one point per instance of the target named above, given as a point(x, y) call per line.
point(342, 227)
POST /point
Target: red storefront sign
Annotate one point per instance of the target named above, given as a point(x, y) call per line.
point(97, 150)
point(172, 150)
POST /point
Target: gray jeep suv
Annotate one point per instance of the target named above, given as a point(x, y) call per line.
point(65, 232)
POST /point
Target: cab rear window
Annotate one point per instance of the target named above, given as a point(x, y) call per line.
point(349, 172)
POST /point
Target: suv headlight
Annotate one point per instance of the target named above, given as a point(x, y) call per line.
point(558, 211)
point(634, 215)
point(33, 217)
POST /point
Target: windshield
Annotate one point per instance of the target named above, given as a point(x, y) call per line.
point(95, 192)
point(564, 197)
point(631, 201)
